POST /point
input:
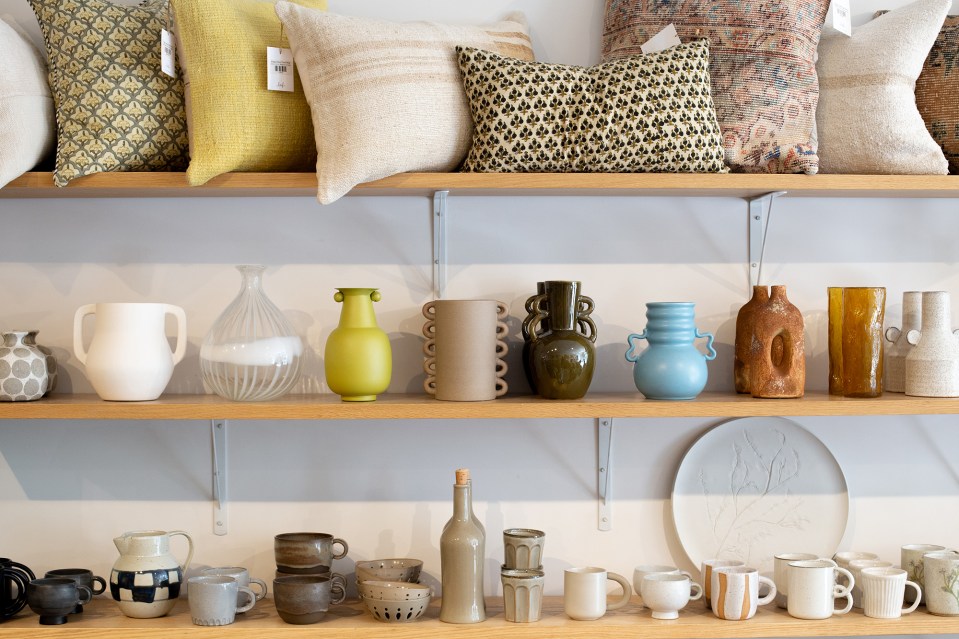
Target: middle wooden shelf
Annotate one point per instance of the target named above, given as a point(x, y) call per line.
point(396, 406)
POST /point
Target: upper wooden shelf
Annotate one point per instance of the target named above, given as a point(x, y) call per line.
point(40, 185)
point(102, 619)
point(594, 405)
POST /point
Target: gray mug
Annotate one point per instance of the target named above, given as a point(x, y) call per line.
point(213, 599)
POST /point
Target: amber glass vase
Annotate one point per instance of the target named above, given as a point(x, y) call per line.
point(855, 341)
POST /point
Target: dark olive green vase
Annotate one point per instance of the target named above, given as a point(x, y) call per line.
point(561, 358)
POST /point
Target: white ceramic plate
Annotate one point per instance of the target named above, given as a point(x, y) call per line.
point(756, 487)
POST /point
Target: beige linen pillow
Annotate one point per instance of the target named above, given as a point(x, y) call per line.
point(644, 113)
point(27, 127)
point(236, 124)
point(867, 118)
point(387, 97)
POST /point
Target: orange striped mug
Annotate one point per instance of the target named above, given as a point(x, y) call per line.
point(735, 592)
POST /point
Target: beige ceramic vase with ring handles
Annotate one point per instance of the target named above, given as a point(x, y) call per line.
point(464, 349)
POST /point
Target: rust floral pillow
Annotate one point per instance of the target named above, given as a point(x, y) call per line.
point(762, 64)
point(937, 91)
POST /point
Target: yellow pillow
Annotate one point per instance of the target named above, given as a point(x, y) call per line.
point(235, 123)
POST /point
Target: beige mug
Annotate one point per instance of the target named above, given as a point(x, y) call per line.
point(911, 561)
point(464, 349)
point(584, 592)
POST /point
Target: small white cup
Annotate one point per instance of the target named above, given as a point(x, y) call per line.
point(665, 594)
point(653, 569)
point(780, 564)
point(883, 592)
point(813, 589)
point(855, 567)
point(584, 592)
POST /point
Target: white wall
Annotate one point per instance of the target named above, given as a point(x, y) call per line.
point(67, 488)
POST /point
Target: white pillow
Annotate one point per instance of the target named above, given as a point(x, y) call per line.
point(867, 118)
point(27, 124)
point(387, 97)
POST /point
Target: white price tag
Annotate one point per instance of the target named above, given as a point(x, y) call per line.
point(167, 53)
point(662, 40)
point(279, 69)
point(840, 16)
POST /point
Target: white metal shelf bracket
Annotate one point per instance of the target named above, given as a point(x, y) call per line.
point(760, 210)
point(439, 244)
point(218, 439)
point(604, 433)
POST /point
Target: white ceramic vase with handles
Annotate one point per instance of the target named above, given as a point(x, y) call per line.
point(129, 358)
point(932, 367)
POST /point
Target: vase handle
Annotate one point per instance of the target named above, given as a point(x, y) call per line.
point(913, 337)
point(532, 311)
point(530, 324)
point(630, 357)
point(710, 351)
point(83, 311)
point(587, 305)
point(892, 334)
point(589, 327)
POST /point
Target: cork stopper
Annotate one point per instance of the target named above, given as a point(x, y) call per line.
point(462, 476)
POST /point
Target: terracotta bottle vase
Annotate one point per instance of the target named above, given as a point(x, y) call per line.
point(744, 336)
point(932, 367)
point(776, 360)
point(562, 358)
point(900, 347)
point(358, 358)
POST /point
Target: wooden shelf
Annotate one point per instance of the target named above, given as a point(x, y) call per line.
point(325, 407)
point(102, 619)
point(40, 185)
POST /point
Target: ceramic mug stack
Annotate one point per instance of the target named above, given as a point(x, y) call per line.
point(308, 553)
point(522, 574)
point(464, 349)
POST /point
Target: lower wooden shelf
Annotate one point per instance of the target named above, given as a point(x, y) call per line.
point(103, 619)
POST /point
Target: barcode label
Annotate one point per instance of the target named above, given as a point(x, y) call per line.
point(279, 69)
point(167, 53)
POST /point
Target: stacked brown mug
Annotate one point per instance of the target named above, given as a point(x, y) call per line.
point(305, 584)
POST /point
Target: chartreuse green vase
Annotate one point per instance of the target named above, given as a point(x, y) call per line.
point(358, 357)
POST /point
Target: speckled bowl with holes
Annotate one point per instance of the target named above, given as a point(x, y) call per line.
point(397, 611)
point(393, 590)
point(389, 570)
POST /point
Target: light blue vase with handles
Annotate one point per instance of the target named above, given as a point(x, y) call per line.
point(672, 367)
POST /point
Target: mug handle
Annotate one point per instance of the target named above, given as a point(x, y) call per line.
point(101, 582)
point(263, 588)
point(83, 311)
point(918, 600)
point(840, 591)
point(251, 601)
point(346, 548)
point(337, 579)
point(695, 591)
point(180, 350)
point(337, 598)
point(848, 606)
point(84, 590)
point(769, 595)
point(627, 591)
point(189, 554)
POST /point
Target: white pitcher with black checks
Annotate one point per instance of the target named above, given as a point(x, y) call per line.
point(145, 581)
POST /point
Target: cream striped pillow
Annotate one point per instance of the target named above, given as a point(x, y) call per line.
point(387, 97)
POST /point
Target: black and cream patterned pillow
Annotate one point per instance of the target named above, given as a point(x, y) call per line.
point(116, 111)
point(649, 113)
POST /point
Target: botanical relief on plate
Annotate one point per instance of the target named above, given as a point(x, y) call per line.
point(752, 488)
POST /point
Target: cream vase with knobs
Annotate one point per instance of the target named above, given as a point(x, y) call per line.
point(899, 346)
point(932, 368)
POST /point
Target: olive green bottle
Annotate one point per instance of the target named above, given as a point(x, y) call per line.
point(462, 555)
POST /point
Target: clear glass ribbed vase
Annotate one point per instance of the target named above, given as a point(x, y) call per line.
point(252, 352)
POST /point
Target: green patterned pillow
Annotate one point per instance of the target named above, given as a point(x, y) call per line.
point(116, 111)
point(649, 113)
